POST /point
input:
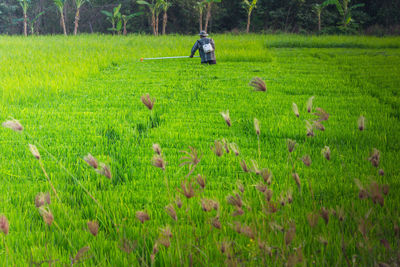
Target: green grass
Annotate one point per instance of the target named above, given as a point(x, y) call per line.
point(81, 95)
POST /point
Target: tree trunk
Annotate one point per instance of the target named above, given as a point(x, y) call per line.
point(153, 23)
point(39, 22)
point(287, 19)
point(157, 25)
point(125, 31)
point(319, 22)
point(76, 21)
point(208, 16)
point(25, 24)
point(201, 19)
point(248, 22)
point(63, 24)
point(165, 20)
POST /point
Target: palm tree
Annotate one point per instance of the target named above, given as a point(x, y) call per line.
point(208, 16)
point(60, 5)
point(126, 18)
point(249, 7)
point(159, 4)
point(200, 6)
point(152, 8)
point(165, 6)
point(25, 5)
point(78, 4)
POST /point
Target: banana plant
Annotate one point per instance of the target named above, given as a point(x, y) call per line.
point(344, 9)
point(317, 8)
point(249, 6)
point(60, 5)
point(33, 21)
point(79, 4)
point(25, 5)
point(126, 18)
point(115, 19)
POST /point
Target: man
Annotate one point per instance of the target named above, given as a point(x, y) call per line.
point(206, 47)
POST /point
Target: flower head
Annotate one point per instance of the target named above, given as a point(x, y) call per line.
point(226, 117)
point(147, 101)
point(309, 104)
point(257, 126)
point(159, 162)
point(361, 123)
point(104, 170)
point(93, 227)
point(142, 216)
point(92, 161)
point(4, 225)
point(258, 84)
point(42, 199)
point(295, 110)
point(13, 125)
point(34, 151)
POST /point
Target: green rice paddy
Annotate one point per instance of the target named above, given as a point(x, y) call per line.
point(81, 95)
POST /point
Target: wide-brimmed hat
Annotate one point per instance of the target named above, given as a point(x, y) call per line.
point(203, 33)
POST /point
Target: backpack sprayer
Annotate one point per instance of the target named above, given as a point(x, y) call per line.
point(155, 58)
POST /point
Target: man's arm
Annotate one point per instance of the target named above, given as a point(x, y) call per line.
point(194, 49)
point(212, 44)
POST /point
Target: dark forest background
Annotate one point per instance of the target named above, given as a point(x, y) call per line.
point(377, 17)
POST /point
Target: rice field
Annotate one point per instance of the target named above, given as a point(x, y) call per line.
point(214, 191)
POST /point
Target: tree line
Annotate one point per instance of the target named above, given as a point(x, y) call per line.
point(190, 16)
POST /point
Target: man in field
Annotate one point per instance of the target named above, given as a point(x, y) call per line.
point(206, 47)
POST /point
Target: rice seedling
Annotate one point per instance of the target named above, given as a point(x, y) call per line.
point(74, 97)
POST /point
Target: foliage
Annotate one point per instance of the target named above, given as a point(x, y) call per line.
point(344, 8)
point(183, 16)
point(115, 18)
